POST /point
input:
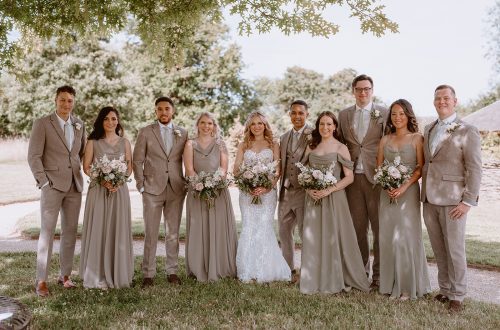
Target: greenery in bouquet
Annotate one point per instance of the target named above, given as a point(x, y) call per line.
point(113, 171)
point(255, 174)
point(207, 186)
point(316, 178)
point(391, 175)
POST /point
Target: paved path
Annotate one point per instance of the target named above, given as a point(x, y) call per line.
point(483, 285)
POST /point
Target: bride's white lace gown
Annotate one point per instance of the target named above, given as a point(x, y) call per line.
point(259, 256)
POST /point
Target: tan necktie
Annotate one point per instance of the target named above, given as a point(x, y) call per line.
point(168, 139)
point(67, 134)
point(361, 126)
point(438, 133)
point(295, 140)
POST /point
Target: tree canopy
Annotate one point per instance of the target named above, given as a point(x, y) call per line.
point(167, 27)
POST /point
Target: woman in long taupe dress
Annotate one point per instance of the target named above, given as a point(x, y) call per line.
point(331, 260)
point(403, 266)
point(106, 259)
point(211, 238)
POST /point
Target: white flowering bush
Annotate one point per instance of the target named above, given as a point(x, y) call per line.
point(207, 186)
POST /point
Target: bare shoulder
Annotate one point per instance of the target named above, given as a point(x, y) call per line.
point(417, 138)
point(343, 151)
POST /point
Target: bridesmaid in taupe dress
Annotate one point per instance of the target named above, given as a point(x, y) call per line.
point(211, 238)
point(106, 258)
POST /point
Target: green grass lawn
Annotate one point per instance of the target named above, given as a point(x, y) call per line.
point(224, 304)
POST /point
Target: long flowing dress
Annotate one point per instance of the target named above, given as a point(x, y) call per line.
point(106, 259)
point(331, 260)
point(211, 237)
point(403, 265)
point(259, 257)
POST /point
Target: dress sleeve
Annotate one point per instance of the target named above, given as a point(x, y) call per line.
point(347, 163)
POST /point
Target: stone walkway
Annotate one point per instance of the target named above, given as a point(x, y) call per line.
point(482, 285)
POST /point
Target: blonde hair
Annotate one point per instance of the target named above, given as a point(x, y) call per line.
point(248, 136)
point(217, 132)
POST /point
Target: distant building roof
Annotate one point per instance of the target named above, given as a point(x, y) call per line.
point(487, 118)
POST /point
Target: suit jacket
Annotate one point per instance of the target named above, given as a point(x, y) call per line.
point(299, 153)
point(453, 173)
point(153, 167)
point(51, 159)
point(362, 151)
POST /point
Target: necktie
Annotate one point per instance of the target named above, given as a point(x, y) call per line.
point(67, 134)
point(438, 132)
point(361, 125)
point(295, 140)
point(167, 138)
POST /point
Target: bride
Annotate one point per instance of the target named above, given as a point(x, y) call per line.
point(258, 256)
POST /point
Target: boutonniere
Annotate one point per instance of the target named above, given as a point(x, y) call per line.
point(177, 132)
point(451, 127)
point(308, 134)
point(78, 126)
point(375, 114)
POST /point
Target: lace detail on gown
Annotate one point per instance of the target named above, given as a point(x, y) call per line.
point(259, 256)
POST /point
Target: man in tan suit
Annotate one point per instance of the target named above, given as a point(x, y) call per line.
point(361, 127)
point(55, 151)
point(157, 164)
point(293, 145)
point(450, 186)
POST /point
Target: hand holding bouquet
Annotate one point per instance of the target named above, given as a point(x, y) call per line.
point(391, 175)
point(311, 178)
point(109, 173)
point(207, 186)
point(256, 174)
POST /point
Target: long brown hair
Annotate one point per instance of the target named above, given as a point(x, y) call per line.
point(408, 110)
point(316, 137)
point(248, 136)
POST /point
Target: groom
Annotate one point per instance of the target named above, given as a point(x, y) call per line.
point(450, 186)
point(157, 164)
point(293, 145)
point(56, 146)
point(361, 127)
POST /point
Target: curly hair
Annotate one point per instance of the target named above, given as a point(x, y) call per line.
point(408, 110)
point(316, 137)
point(248, 136)
point(98, 132)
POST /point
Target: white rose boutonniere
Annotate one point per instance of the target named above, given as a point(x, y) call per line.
point(451, 127)
point(375, 114)
point(177, 132)
point(308, 134)
point(78, 126)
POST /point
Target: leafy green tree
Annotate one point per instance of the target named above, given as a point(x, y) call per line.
point(167, 27)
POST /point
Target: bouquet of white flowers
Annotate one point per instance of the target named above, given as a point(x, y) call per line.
point(113, 171)
point(256, 174)
point(391, 175)
point(316, 178)
point(207, 186)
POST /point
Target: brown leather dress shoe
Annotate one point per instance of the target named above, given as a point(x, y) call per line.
point(455, 306)
point(295, 278)
point(41, 289)
point(441, 298)
point(147, 281)
point(66, 282)
point(375, 285)
point(174, 279)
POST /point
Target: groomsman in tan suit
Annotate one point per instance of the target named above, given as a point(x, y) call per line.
point(293, 145)
point(361, 127)
point(157, 164)
point(450, 186)
point(55, 151)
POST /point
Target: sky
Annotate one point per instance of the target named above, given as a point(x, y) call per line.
point(439, 41)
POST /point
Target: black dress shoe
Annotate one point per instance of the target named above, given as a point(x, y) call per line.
point(441, 298)
point(147, 281)
point(174, 279)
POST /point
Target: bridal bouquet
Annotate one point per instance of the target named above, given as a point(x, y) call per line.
point(391, 175)
point(113, 171)
point(255, 174)
point(207, 186)
point(316, 178)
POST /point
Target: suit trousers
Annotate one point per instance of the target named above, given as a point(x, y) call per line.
point(364, 199)
point(170, 204)
point(290, 215)
point(53, 202)
point(447, 238)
